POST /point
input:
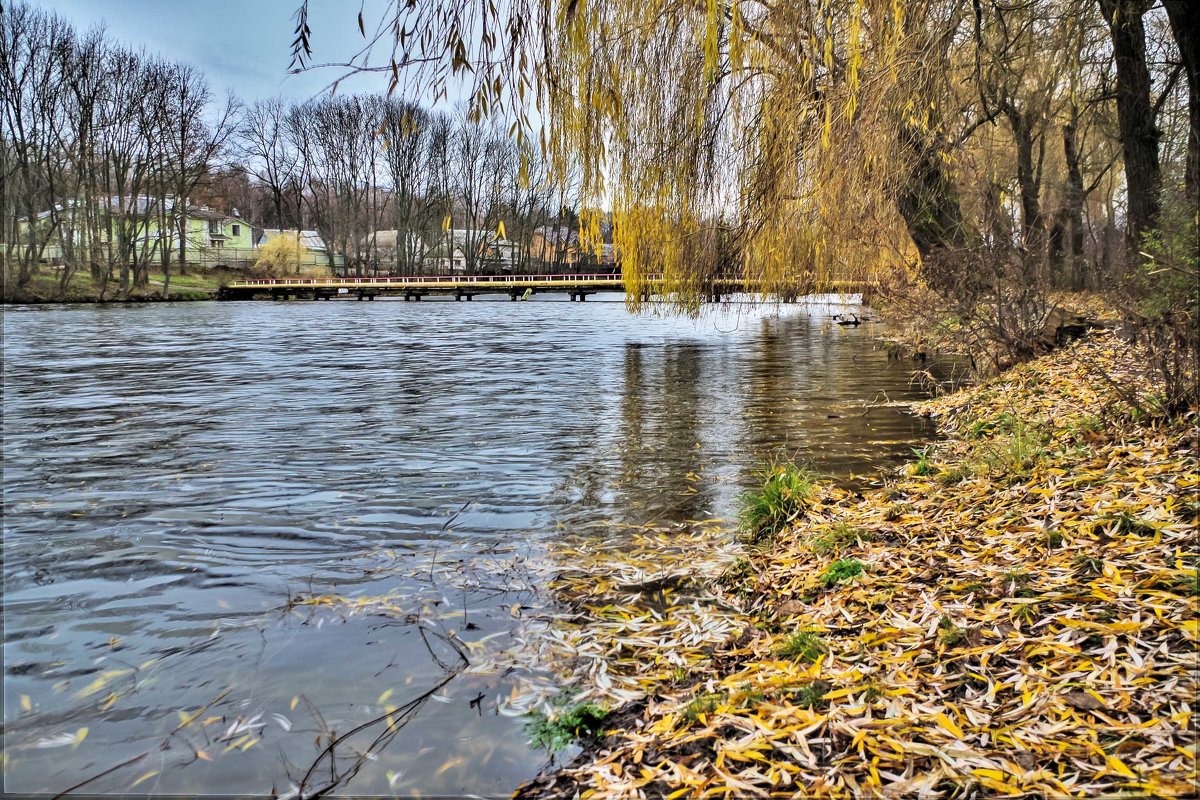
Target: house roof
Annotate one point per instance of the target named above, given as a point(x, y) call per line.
point(388, 238)
point(144, 205)
point(311, 240)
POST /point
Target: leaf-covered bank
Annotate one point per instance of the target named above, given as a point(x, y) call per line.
point(1015, 614)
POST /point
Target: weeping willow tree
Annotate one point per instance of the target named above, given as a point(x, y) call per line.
point(792, 145)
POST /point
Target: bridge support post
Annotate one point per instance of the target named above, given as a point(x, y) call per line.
point(512, 296)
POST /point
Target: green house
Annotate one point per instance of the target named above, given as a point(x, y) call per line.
point(116, 228)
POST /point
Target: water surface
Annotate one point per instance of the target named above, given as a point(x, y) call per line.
point(177, 475)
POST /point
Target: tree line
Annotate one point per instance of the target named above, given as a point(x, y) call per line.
point(973, 156)
point(352, 166)
point(96, 136)
point(104, 148)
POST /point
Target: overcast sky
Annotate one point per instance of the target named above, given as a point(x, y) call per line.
point(243, 46)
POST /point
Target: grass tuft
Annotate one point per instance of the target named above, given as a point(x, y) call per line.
point(786, 492)
point(804, 646)
point(555, 733)
point(839, 536)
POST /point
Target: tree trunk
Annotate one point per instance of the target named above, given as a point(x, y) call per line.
point(1135, 116)
point(1073, 198)
point(1032, 226)
point(931, 211)
point(1185, 25)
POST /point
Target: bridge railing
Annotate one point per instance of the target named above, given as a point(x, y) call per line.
point(402, 280)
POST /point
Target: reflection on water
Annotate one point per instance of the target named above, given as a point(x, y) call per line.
point(177, 476)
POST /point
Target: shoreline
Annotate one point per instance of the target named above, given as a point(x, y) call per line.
point(1015, 612)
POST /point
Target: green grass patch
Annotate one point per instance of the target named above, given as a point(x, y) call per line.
point(949, 634)
point(804, 646)
point(839, 536)
point(785, 494)
point(704, 704)
point(556, 732)
point(810, 695)
point(923, 465)
point(841, 570)
point(1124, 522)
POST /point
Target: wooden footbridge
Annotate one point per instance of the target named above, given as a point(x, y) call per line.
point(461, 287)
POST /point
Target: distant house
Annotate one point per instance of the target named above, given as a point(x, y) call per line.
point(555, 244)
point(447, 253)
point(147, 224)
point(393, 249)
point(559, 246)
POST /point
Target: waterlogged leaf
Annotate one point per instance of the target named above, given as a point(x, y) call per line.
point(282, 721)
point(143, 778)
point(60, 740)
point(26, 703)
point(101, 681)
point(109, 701)
point(449, 765)
point(293, 704)
point(79, 736)
point(383, 698)
point(203, 756)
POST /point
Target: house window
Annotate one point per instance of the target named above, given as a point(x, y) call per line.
point(214, 226)
point(237, 230)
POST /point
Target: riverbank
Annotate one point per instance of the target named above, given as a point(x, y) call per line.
point(1014, 613)
point(48, 290)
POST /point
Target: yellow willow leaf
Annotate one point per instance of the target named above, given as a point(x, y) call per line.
point(108, 701)
point(26, 703)
point(500, 234)
point(203, 756)
point(950, 725)
point(236, 743)
point(80, 735)
point(144, 778)
point(101, 681)
point(449, 765)
point(292, 706)
point(383, 697)
point(1118, 766)
point(249, 744)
